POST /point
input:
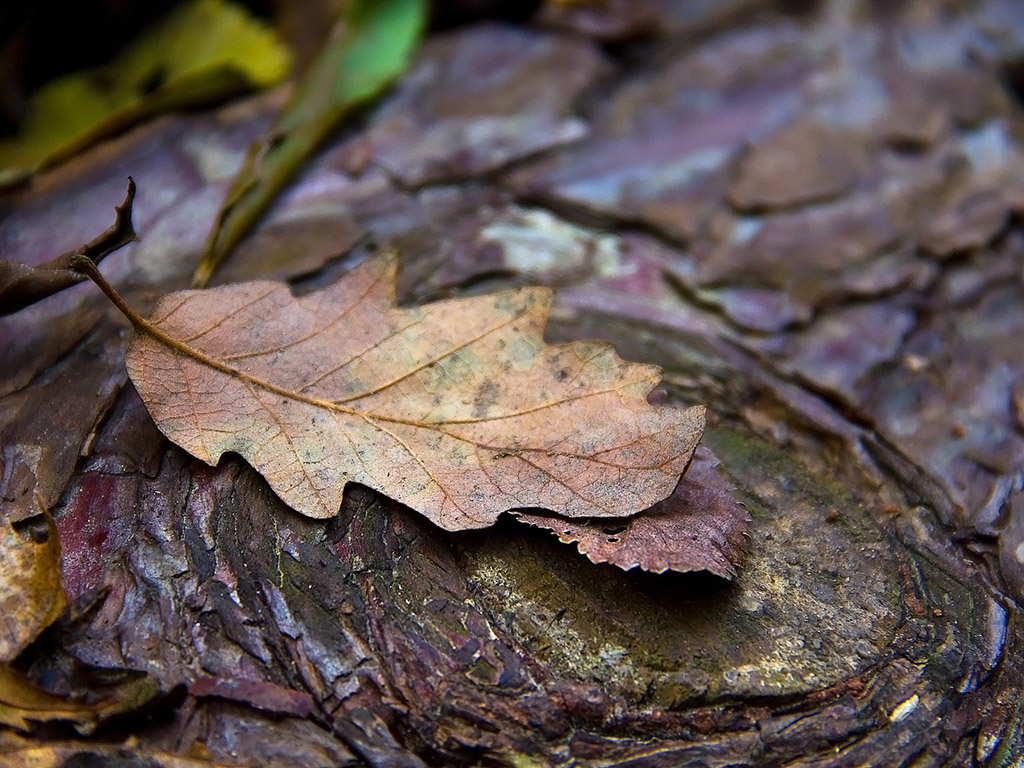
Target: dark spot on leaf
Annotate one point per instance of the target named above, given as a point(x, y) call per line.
point(484, 398)
point(562, 374)
point(275, 139)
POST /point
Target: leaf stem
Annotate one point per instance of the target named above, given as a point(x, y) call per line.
point(86, 266)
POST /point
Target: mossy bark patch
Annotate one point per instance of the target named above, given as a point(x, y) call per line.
point(817, 601)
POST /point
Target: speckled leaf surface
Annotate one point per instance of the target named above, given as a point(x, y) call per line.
point(457, 409)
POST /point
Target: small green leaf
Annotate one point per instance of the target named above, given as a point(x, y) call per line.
point(367, 51)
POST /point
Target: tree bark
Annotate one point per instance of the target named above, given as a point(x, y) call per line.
point(856, 336)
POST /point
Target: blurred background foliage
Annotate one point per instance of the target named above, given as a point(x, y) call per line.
point(72, 74)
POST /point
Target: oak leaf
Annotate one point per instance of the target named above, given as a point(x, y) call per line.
point(457, 409)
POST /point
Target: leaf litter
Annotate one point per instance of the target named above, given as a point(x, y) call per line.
point(32, 474)
point(369, 47)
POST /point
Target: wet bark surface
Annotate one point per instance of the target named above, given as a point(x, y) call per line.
point(809, 217)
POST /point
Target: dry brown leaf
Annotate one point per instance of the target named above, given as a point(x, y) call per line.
point(20, 752)
point(31, 593)
point(457, 409)
point(700, 527)
point(22, 702)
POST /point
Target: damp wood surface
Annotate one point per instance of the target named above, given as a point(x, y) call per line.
point(853, 325)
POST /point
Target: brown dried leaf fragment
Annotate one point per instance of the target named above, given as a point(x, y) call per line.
point(29, 753)
point(803, 163)
point(457, 409)
point(23, 703)
point(31, 593)
point(700, 527)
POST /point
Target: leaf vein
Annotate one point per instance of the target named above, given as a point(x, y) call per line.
point(426, 364)
point(314, 333)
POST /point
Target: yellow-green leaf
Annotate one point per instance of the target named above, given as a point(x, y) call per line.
point(205, 50)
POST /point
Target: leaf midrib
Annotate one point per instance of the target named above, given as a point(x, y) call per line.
point(186, 350)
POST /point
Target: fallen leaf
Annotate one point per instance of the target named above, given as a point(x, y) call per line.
point(31, 594)
point(29, 753)
point(802, 163)
point(23, 703)
point(700, 527)
point(258, 694)
point(368, 49)
point(457, 409)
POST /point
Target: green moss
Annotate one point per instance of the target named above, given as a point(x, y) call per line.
point(814, 603)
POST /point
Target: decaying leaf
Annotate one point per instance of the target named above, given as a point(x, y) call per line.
point(31, 754)
point(23, 703)
point(31, 594)
point(700, 527)
point(457, 409)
